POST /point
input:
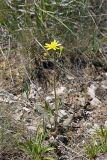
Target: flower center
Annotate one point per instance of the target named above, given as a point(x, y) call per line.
point(53, 45)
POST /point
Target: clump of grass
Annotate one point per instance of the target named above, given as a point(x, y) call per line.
point(98, 144)
point(35, 149)
point(101, 135)
point(92, 149)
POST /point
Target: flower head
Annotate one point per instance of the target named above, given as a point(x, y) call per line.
point(54, 45)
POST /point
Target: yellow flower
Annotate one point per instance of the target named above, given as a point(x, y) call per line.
point(53, 45)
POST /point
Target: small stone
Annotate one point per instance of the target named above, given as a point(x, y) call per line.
point(101, 92)
point(26, 109)
point(96, 126)
point(69, 77)
point(60, 90)
point(48, 126)
point(91, 90)
point(105, 73)
point(91, 118)
point(68, 121)
point(83, 142)
point(63, 139)
point(96, 102)
point(33, 128)
point(82, 101)
point(53, 141)
point(11, 101)
point(62, 113)
point(105, 124)
point(104, 84)
point(39, 88)
point(49, 99)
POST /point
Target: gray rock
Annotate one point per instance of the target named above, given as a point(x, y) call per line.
point(49, 99)
point(105, 124)
point(104, 84)
point(69, 77)
point(32, 128)
point(67, 121)
point(62, 113)
point(96, 102)
point(60, 91)
point(91, 90)
point(63, 139)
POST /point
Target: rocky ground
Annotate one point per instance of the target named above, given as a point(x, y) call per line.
point(82, 109)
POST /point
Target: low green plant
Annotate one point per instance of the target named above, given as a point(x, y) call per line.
point(54, 51)
point(99, 145)
point(92, 149)
point(35, 149)
point(101, 135)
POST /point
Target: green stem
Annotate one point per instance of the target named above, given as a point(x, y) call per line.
point(56, 107)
